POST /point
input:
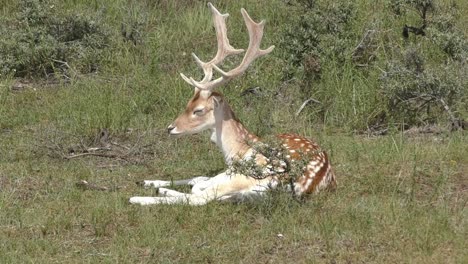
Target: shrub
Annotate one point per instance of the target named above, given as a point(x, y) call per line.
point(417, 91)
point(40, 42)
point(320, 33)
point(447, 36)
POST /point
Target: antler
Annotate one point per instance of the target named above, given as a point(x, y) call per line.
point(225, 49)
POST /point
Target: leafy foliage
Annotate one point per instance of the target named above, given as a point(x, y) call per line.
point(400, 7)
point(447, 36)
point(320, 33)
point(417, 93)
point(425, 75)
point(277, 162)
point(416, 89)
point(40, 42)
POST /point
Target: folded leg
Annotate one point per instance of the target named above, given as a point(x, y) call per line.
point(160, 183)
point(189, 199)
point(170, 193)
point(222, 187)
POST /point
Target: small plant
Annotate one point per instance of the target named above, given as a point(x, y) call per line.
point(417, 92)
point(41, 42)
point(447, 36)
point(277, 163)
point(440, 27)
point(421, 7)
point(132, 28)
point(319, 34)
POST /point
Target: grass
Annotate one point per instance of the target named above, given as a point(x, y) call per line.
point(401, 197)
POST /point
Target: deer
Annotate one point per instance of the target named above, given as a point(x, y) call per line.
point(209, 110)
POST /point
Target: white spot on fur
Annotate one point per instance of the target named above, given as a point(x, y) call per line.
point(317, 168)
point(298, 188)
point(308, 183)
point(325, 181)
point(313, 162)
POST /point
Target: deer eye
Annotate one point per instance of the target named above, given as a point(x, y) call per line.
point(198, 112)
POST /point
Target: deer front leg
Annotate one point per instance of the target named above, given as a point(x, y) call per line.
point(170, 193)
point(190, 199)
point(174, 197)
point(200, 184)
point(221, 187)
point(141, 200)
point(208, 190)
point(160, 183)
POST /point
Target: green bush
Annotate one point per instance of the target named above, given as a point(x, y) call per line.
point(337, 60)
point(39, 41)
point(447, 36)
point(319, 48)
point(419, 86)
point(417, 93)
point(320, 33)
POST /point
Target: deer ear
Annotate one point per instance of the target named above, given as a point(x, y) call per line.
point(217, 100)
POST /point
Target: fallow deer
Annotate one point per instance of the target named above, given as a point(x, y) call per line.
point(209, 110)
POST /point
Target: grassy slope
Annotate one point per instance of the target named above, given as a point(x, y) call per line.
point(401, 198)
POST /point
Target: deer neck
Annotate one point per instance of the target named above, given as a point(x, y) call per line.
point(230, 135)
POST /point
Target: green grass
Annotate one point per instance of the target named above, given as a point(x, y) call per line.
point(401, 198)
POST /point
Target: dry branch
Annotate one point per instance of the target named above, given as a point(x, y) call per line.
point(92, 154)
point(305, 103)
point(85, 185)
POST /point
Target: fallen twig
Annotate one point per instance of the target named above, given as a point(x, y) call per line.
point(253, 91)
point(64, 63)
point(364, 41)
point(430, 129)
point(89, 186)
point(118, 145)
point(106, 166)
point(111, 156)
point(456, 123)
point(97, 149)
point(377, 132)
point(305, 103)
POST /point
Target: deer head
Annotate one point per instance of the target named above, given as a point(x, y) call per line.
point(199, 114)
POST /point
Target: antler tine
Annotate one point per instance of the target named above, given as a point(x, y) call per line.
point(255, 37)
point(224, 48)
